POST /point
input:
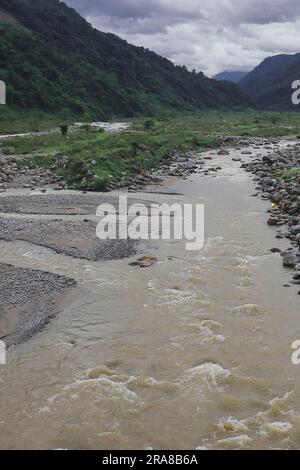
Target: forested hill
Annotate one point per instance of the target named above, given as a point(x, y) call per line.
point(53, 60)
point(270, 83)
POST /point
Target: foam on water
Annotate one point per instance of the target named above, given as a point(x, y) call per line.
point(212, 375)
point(231, 424)
point(276, 429)
point(247, 310)
point(213, 242)
point(232, 443)
point(262, 426)
point(205, 331)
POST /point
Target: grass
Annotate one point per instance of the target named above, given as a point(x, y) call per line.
point(14, 121)
point(248, 123)
point(92, 159)
point(252, 124)
point(291, 173)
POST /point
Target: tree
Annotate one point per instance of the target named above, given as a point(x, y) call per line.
point(64, 129)
point(149, 125)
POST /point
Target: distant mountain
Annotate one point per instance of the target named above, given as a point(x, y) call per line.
point(269, 84)
point(53, 60)
point(234, 76)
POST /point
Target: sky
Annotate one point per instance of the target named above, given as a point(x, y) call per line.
point(207, 35)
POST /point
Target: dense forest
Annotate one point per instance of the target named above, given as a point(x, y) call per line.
point(270, 83)
point(53, 60)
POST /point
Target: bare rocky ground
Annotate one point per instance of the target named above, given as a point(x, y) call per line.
point(29, 300)
point(60, 204)
point(76, 239)
point(284, 194)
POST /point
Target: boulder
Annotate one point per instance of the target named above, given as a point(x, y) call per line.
point(272, 221)
point(289, 260)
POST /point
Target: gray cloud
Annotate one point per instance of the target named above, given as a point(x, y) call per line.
point(208, 35)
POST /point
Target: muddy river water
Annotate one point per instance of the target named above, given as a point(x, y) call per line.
point(194, 352)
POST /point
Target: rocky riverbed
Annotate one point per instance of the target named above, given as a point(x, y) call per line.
point(64, 223)
point(275, 182)
point(29, 300)
point(32, 211)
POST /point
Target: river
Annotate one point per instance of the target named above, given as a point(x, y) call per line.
point(192, 353)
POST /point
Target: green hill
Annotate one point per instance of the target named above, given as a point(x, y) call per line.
point(52, 60)
point(270, 84)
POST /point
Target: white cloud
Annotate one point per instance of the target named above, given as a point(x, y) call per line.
point(208, 35)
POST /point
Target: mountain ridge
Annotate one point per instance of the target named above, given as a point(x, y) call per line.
point(55, 61)
point(269, 84)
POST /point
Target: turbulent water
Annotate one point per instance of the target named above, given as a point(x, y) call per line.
point(194, 352)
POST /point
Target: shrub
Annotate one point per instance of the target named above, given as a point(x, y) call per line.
point(64, 129)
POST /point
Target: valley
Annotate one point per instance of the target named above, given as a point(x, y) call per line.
point(183, 332)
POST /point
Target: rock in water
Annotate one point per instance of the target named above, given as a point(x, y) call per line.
point(275, 250)
point(295, 229)
point(272, 221)
point(144, 262)
point(289, 260)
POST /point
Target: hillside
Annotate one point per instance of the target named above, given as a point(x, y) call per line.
point(53, 60)
point(234, 76)
point(269, 84)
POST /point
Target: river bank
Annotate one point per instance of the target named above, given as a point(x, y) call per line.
point(278, 179)
point(29, 300)
point(194, 352)
point(65, 222)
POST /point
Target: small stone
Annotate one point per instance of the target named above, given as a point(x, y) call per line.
point(289, 260)
point(275, 250)
point(144, 262)
point(272, 221)
point(295, 230)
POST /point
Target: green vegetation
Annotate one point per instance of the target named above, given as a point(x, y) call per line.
point(252, 124)
point(270, 84)
point(54, 62)
point(291, 173)
point(256, 124)
point(13, 121)
point(91, 159)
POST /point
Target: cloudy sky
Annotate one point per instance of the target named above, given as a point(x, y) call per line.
point(208, 35)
